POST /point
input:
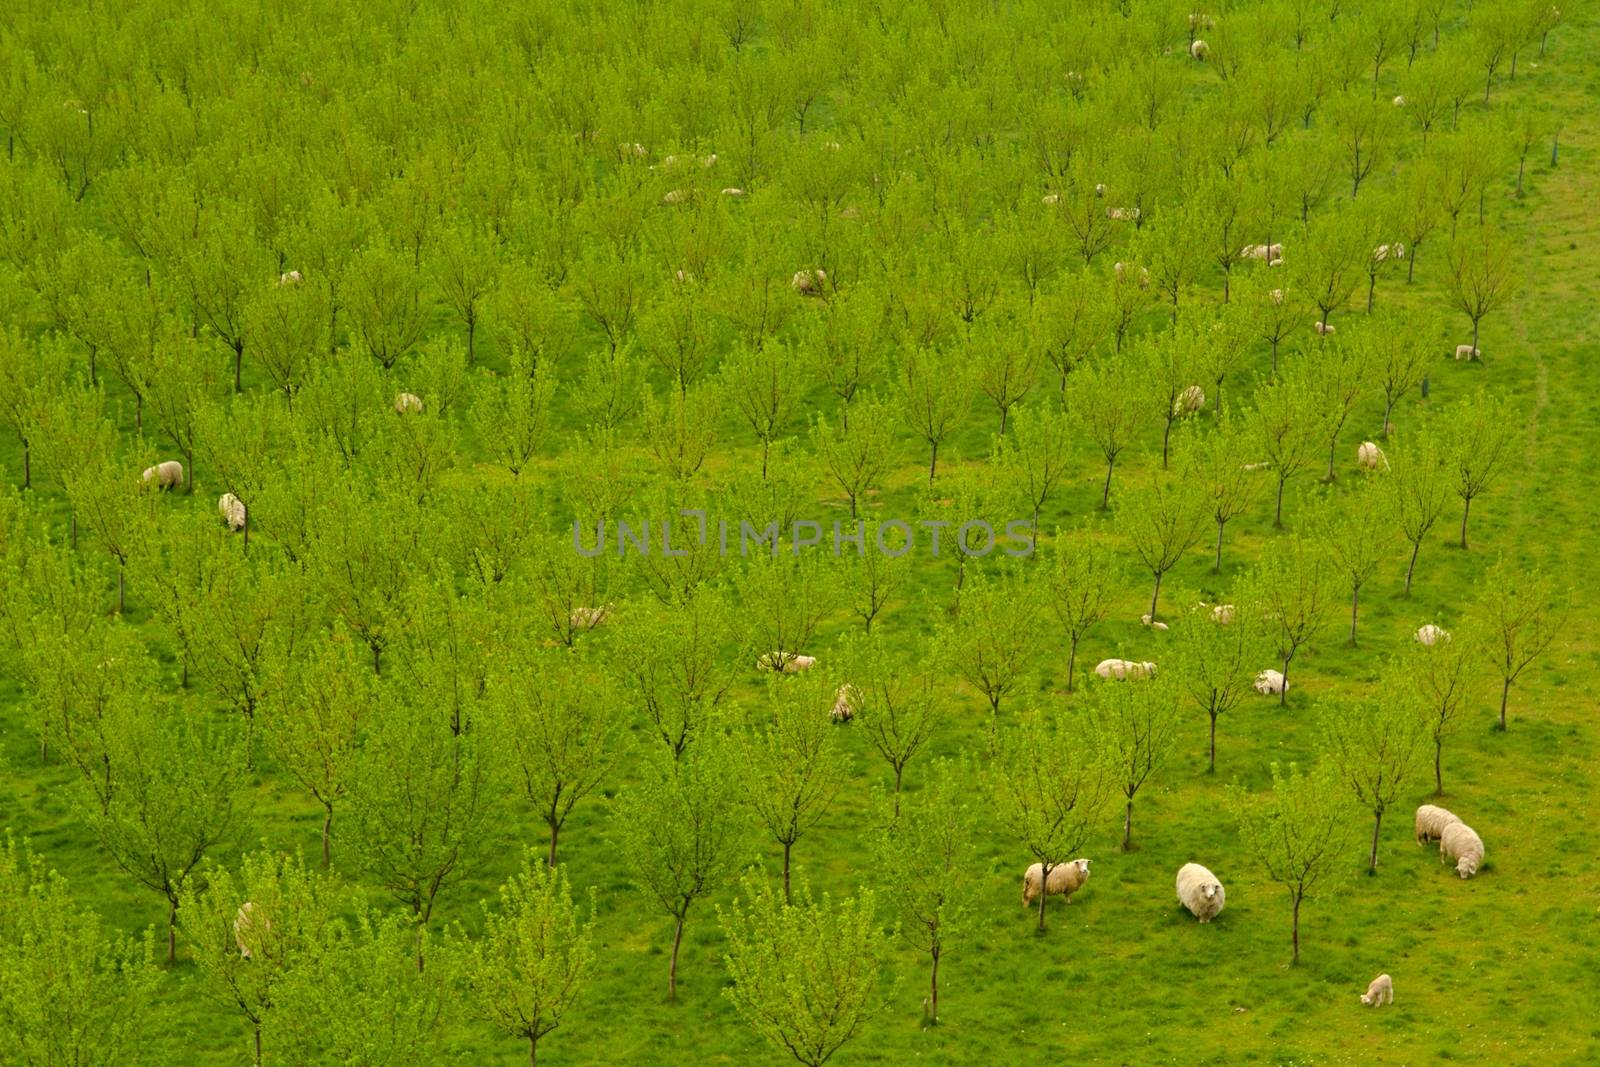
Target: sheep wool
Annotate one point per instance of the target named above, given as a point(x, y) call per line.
point(407, 403)
point(1189, 401)
point(844, 703)
point(1369, 457)
point(589, 618)
point(1121, 669)
point(1151, 622)
point(1431, 821)
point(1379, 991)
point(248, 929)
point(1271, 683)
point(1199, 50)
point(1461, 843)
point(1432, 635)
point(1065, 879)
point(1325, 329)
point(232, 510)
point(809, 282)
point(1466, 352)
point(1222, 614)
point(166, 475)
point(785, 662)
point(1200, 892)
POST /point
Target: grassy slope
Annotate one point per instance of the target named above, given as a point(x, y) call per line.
point(1504, 965)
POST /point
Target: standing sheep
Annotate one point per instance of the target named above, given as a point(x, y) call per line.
point(1431, 635)
point(1466, 352)
point(1189, 401)
point(844, 703)
point(1271, 683)
point(1369, 457)
point(232, 511)
point(785, 662)
point(289, 278)
point(1200, 892)
point(249, 928)
point(1326, 329)
point(1199, 50)
point(407, 403)
point(1461, 843)
point(1431, 821)
point(1380, 991)
point(1124, 668)
point(1065, 880)
point(1222, 614)
point(1151, 621)
point(809, 282)
point(166, 475)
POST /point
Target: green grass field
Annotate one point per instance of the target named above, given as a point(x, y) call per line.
point(1502, 967)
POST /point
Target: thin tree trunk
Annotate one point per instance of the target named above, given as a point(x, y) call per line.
point(787, 845)
point(1127, 826)
point(1388, 410)
point(1438, 767)
point(1411, 262)
point(933, 992)
point(1296, 928)
point(1277, 514)
point(1333, 454)
point(1216, 568)
point(238, 368)
point(27, 467)
point(533, 1051)
point(555, 831)
point(1372, 859)
point(1003, 421)
point(1372, 287)
point(1355, 601)
point(1105, 495)
point(327, 836)
point(121, 584)
point(672, 969)
point(1072, 661)
point(172, 932)
point(1466, 507)
point(1505, 694)
point(1211, 767)
point(1283, 690)
point(898, 772)
point(1166, 441)
point(1155, 596)
point(1475, 324)
point(258, 1042)
point(933, 462)
point(1044, 881)
point(1416, 547)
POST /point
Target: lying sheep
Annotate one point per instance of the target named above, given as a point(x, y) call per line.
point(844, 703)
point(1199, 50)
point(1065, 879)
point(1386, 252)
point(1431, 635)
point(1271, 683)
point(1271, 253)
point(1122, 214)
point(1120, 270)
point(733, 190)
point(1121, 669)
point(1326, 329)
point(1189, 401)
point(407, 403)
point(1222, 614)
point(675, 196)
point(1466, 352)
point(1369, 457)
point(809, 282)
point(1461, 843)
point(166, 475)
point(785, 662)
point(232, 510)
point(1431, 821)
point(1379, 991)
point(589, 618)
point(1200, 892)
point(1151, 622)
point(289, 278)
point(248, 929)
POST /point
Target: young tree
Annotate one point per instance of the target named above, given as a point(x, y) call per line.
point(676, 665)
point(1074, 319)
point(1365, 129)
point(1437, 677)
point(856, 459)
point(1479, 434)
point(928, 855)
point(1297, 831)
point(1170, 368)
point(1216, 661)
point(388, 305)
point(1478, 277)
point(1415, 211)
point(1284, 427)
point(25, 379)
point(1162, 522)
point(995, 640)
point(898, 705)
point(805, 974)
point(1006, 361)
point(1329, 270)
point(1297, 583)
point(681, 830)
point(1521, 612)
point(783, 601)
point(511, 414)
point(1083, 577)
point(1034, 458)
point(534, 958)
point(1339, 374)
point(1401, 350)
point(1374, 744)
point(1106, 399)
point(1137, 726)
point(873, 578)
point(935, 392)
point(790, 765)
point(848, 348)
point(762, 387)
point(1216, 462)
point(1415, 491)
point(680, 431)
point(1355, 545)
point(1052, 782)
point(465, 267)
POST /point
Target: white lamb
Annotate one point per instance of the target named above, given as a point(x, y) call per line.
point(1152, 622)
point(1189, 401)
point(1065, 879)
point(1222, 614)
point(809, 282)
point(1431, 635)
point(1271, 683)
point(289, 278)
point(733, 190)
point(676, 196)
point(1200, 892)
point(1380, 991)
point(1199, 50)
point(1461, 843)
point(166, 475)
point(1122, 214)
point(589, 618)
point(1431, 821)
point(1271, 253)
point(1121, 669)
point(232, 511)
point(844, 703)
point(407, 403)
point(785, 662)
point(1466, 352)
point(248, 929)
point(1120, 269)
point(1369, 457)
point(1400, 101)
point(1325, 329)
point(1386, 252)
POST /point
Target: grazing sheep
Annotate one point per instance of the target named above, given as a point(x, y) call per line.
point(1386, 252)
point(1276, 296)
point(1065, 879)
point(1430, 634)
point(633, 149)
point(1271, 683)
point(733, 190)
point(165, 475)
point(785, 662)
point(1124, 668)
point(1200, 21)
point(1380, 991)
point(1200, 892)
point(407, 403)
point(1369, 457)
point(809, 282)
point(1199, 50)
point(1431, 821)
point(1189, 401)
point(248, 928)
point(1152, 623)
point(1222, 614)
point(589, 618)
point(1122, 214)
point(844, 703)
point(232, 510)
point(1325, 329)
point(1271, 253)
point(1466, 352)
point(1120, 269)
point(676, 196)
point(289, 278)
point(1461, 843)
point(1400, 101)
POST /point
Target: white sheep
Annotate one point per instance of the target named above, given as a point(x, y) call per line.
point(1271, 683)
point(232, 511)
point(1200, 21)
point(248, 928)
point(633, 149)
point(809, 282)
point(589, 618)
point(682, 277)
point(844, 703)
point(1431, 821)
point(1122, 214)
point(1199, 50)
point(1466, 352)
point(407, 403)
point(1099, 188)
point(733, 190)
point(1326, 329)
point(1429, 634)
point(1263, 465)
point(1120, 269)
point(1389, 251)
point(165, 475)
point(1200, 892)
point(1369, 457)
point(1189, 401)
point(785, 662)
point(289, 278)
point(1461, 843)
point(1222, 614)
point(1152, 622)
point(1050, 198)
point(1400, 101)
point(1379, 991)
point(1271, 253)
point(676, 196)
point(1124, 668)
point(1276, 296)
point(1065, 879)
